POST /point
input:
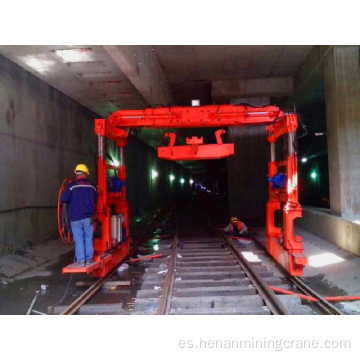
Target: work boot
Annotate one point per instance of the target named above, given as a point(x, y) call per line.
point(79, 263)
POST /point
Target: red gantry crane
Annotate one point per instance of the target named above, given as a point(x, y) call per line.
point(112, 213)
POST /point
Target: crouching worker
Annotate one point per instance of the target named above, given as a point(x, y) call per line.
point(236, 228)
point(80, 195)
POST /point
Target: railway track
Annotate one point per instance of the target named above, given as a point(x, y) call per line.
point(80, 304)
point(322, 305)
point(202, 272)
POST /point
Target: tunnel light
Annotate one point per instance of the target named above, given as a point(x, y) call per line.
point(40, 65)
point(76, 55)
point(182, 180)
point(116, 163)
point(191, 181)
point(325, 259)
point(313, 175)
point(304, 160)
point(154, 174)
point(154, 241)
point(195, 102)
point(172, 178)
point(156, 247)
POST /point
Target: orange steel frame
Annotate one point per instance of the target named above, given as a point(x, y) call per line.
point(283, 246)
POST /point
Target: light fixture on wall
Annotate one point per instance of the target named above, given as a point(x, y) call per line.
point(314, 175)
point(154, 174)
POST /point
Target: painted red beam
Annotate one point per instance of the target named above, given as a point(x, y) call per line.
point(285, 125)
point(201, 116)
point(196, 152)
point(148, 257)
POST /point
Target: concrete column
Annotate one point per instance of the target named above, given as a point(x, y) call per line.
point(342, 97)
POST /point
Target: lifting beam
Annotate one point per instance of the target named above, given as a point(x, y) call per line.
point(194, 150)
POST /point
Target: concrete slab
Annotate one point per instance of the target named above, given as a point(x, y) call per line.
point(195, 257)
point(147, 294)
point(333, 271)
point(11, 266)
point(212, 264)
point(217, 291)
point(274, 281)
point(141, 304)
point(342, 231)
point(192, 269)
point(150, 283)
point(190, 253)
point(264, 310)
point(181, 284)
point(216, 301)
point(90, 309)
point(290, 300)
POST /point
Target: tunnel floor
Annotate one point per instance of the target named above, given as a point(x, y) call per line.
point(331, 272)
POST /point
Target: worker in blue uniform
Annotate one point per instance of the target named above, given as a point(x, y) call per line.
point(80, 195)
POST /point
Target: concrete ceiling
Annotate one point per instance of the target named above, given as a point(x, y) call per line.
point(194, 69)
point(85, 73)
point(219, 62)
point(108, 78)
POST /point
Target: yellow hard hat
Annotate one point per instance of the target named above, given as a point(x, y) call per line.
point(233, 219)
point(82, 167)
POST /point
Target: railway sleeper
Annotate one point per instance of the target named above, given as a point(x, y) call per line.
point(199, 283)
point(263, 310)
point(216, 301)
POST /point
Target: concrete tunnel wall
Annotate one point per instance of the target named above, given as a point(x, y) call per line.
point(247, 174)
point(43, 135)
point(142, 191)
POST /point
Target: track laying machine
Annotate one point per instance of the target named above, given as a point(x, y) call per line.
point(112, 213)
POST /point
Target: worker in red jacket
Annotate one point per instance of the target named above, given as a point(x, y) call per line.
point(236, 228)
point(80, 195)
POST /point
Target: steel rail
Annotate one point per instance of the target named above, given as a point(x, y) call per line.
point(86, 295)
point(271, 300)
point(164, 302)
point(169, 281)
point(325, 305)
